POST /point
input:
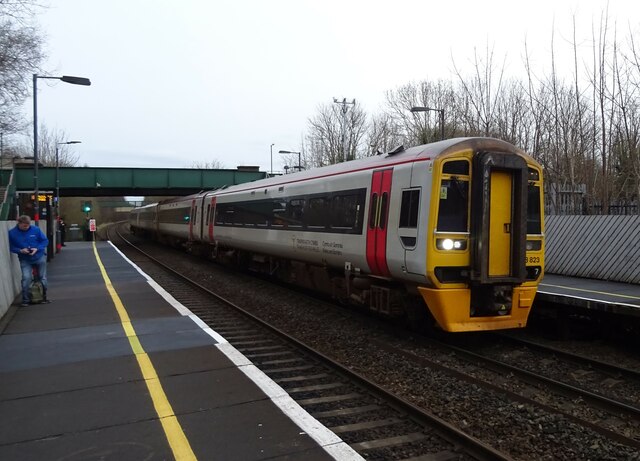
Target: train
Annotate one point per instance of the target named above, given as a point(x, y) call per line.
point(448, 234)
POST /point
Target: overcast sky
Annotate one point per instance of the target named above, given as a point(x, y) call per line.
point(184, 81)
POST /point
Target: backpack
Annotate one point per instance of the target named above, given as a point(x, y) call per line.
point(36, 290)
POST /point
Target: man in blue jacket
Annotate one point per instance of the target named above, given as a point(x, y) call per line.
point(30, 244)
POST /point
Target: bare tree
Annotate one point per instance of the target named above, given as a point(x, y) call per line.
point(48, 140)
point(384, 134)
point(421, 128)
point(483, 91)
point(214, 164)
point(20, 54)
point(325, 135)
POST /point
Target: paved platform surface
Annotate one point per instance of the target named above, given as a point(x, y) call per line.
point(71, 387)
point(619, 298)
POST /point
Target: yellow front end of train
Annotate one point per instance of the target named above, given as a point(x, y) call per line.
point(485, 254)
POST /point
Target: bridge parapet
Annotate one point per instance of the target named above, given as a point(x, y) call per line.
point(94, 182)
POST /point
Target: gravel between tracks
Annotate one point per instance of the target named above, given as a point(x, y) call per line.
point(523, 431)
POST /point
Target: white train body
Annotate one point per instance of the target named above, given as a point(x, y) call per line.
point(384, 219)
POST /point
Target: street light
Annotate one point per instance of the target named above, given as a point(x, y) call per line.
point(58, 178)
point(67, 79)
point(427, 109)
point(292, 152)
point(272, 159)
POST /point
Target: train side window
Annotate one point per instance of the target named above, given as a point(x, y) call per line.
point(383, 210)
point(225, 214)
point(278, 210)
point(373, 208)
point(344, 211)
point(534, 225)
point(409, 208)
point(453, 206)
point(317, 212)
point(295, 212)
point(208, 212)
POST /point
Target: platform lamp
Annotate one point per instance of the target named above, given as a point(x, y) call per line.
point(271, 171)
point(427, 109)
point(67, 79)
point(58, 176)
point(292, 152)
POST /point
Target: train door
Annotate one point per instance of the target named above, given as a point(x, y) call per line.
point(498, 216)
point(192, 217)
point(378, 220)
point(211, 213)
point(500, 224)
point(414, 261)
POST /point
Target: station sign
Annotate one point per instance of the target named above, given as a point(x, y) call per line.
point(43, 197)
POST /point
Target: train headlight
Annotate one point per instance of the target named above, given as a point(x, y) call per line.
point(451, 244)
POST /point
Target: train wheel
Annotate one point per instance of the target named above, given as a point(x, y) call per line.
point(418, 316)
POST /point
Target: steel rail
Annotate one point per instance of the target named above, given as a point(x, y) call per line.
point(512, 395)
point(605, 403)
point(447, 431)
point(581, 359)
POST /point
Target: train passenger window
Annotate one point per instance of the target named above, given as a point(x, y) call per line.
point(534, 225)
point(383, 210)
point(317, 213)
point(278, 210)
point(344, 211)
point(295, 212)
point(409, 208)
point(460, 167)
point(453, 206)
point(259, 213)
point(373, 208)
point(225, 214)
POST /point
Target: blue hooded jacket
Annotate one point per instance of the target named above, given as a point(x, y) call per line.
point(30, 238)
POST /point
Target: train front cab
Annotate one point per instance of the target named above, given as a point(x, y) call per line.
point(485, 252)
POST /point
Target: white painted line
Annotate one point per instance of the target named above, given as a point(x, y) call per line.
point(616, 303)
point(329, 441)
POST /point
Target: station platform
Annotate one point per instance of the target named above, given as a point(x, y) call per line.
point(599, 295)
point(115, 368)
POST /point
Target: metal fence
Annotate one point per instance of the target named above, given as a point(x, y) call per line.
point(598, 247)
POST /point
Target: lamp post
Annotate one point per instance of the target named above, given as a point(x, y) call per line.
point(58, 177)
point(427, 109)
point(292, 152)
point(271, 171)
point(67, 79)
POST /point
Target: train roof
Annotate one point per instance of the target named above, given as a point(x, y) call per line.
point(396, 156)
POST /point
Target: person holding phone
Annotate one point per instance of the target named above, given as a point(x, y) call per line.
point(30, 244)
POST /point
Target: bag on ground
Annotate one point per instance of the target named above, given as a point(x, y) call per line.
point(37, 291)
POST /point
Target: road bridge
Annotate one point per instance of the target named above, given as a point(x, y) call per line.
point(102, 181)
point(114, 182)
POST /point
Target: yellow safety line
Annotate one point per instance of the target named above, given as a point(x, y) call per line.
point(172, 429)
point(590, 291)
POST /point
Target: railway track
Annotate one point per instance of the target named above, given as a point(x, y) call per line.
point(520, 425)
point(522, 385)
point(375, 422)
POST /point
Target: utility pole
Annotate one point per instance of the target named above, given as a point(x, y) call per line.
point(345, 108)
